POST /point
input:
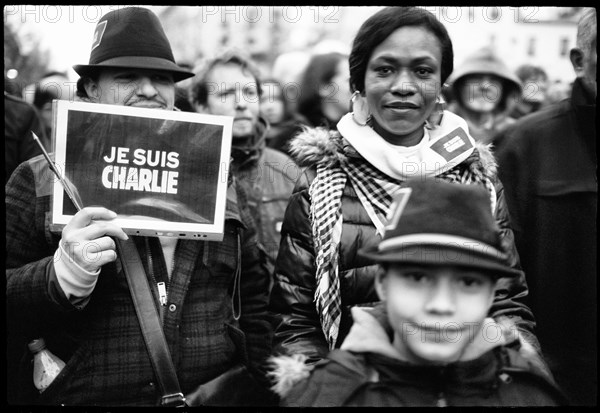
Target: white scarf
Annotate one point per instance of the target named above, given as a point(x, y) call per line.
point(430, 157)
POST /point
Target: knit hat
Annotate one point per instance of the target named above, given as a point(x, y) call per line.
point(131, 37)
point(434, 222)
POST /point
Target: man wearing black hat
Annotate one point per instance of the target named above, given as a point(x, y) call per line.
point(431, 341)
point(69, 288)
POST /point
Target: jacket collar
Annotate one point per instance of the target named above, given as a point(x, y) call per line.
point(374, 335)
point(584, 108)
point(475, 373)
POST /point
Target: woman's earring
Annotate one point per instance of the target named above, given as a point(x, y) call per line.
point(434, 120)
point(360, 109)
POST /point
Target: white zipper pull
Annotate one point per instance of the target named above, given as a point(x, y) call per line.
point(162, 293)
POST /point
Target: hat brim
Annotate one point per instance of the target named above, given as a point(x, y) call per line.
point(136, 62)
point(442, 255)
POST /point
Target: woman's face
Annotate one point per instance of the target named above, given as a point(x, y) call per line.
point(481, 93)
point(272, 106)
point(402, 82)
point(339, 92)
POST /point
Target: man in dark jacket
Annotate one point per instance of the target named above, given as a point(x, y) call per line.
point(548, 166)
point(20, 119)
point(213, 307)
point(229, 85)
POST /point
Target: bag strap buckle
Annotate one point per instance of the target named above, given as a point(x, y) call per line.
point(173, 400)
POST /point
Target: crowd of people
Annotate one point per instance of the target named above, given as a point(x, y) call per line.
point(406, 233)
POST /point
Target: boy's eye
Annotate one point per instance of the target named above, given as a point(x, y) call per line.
point(416, 276)
point(471, 282)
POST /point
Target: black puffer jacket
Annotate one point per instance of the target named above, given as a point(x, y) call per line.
point(299, 330)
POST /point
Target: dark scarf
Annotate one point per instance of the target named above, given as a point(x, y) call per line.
point(246, 150)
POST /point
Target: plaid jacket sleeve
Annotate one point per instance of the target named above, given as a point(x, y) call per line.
point(32, 300)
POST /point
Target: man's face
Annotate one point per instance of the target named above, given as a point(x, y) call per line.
point(584, 63)
point(133, 87)
point(435, 311)
point(233, 92)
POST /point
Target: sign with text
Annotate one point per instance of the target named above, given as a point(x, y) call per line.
point(163, 172)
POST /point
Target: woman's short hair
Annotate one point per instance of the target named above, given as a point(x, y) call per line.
point(200, 89)
point(381, 25)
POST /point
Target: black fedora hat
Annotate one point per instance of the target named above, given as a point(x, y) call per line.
point(131, 37)
point(433, 222)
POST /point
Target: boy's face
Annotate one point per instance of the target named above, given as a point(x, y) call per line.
point(435, 311)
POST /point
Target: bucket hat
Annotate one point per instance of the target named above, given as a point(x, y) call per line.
point(131, 37)
point(485, 61)
point(433, 222)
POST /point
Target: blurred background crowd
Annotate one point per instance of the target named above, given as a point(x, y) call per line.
point(521, 53)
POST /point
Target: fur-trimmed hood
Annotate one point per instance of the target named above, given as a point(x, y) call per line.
point(320, 145)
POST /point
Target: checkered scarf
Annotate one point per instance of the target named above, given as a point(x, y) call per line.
point(375, 191)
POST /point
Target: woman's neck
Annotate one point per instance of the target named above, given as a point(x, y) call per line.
point(410, 139)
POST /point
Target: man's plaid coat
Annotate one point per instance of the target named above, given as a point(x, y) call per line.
point(106, 359)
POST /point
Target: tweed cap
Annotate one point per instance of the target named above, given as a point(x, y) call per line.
point(131, 37)
point(433, 222)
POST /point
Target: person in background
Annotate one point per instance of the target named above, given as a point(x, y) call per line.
point(69, 288)
point(325, 91)
point(20, 119)
point(558, 91)
point(53, 85)
point(400, 58)
point(484, 92)
point(535, 86)
point(430, 341)
point(229, 85)
point(182, 100)
point(549, 167)
point(288, 69)
point(283, 123)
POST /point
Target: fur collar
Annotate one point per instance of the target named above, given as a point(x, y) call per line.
point(287, 371)
point(320, 145)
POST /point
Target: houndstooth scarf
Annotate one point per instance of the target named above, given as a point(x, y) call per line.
point(375, 191)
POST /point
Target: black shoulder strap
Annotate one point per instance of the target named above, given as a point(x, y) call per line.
point(150, 324)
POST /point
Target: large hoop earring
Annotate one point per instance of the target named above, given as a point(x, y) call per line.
point(435, 119)
point(359, 109)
